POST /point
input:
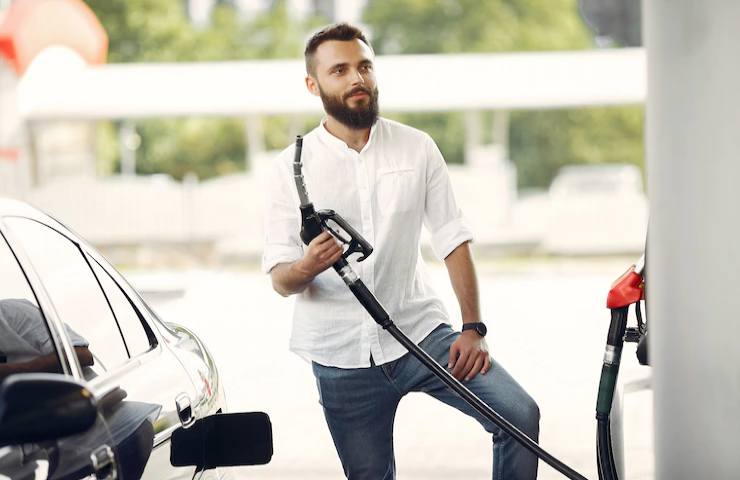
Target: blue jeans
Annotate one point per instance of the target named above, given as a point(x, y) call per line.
point(360, 406)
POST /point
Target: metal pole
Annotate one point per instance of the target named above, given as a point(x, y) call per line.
point(128, 141)
point(693, 157)
point(255, 139)
point(500, 131)
point(473, 133)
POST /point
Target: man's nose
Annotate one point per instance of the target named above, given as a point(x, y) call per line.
point(357, 78)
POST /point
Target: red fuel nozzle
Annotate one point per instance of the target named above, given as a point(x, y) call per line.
point(626, 290)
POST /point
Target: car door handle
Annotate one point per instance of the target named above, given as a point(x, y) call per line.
point(184, 410)
point(104, 463)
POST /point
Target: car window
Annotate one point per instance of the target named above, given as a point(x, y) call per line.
point(128, 317)
point(25, 341)
point(74, 290)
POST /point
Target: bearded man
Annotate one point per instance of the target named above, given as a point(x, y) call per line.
point(386, 179)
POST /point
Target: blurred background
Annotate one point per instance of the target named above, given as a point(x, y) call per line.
point(148, 125)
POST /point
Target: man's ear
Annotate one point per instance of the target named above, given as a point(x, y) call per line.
point(312, 85)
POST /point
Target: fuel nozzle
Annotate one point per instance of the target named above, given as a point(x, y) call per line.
point(313, 222)
point(310, 221)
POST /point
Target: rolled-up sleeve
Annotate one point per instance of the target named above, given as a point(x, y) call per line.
point(442, 217)
point(282, 243)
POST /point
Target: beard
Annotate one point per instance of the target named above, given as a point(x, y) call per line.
point(362, 116)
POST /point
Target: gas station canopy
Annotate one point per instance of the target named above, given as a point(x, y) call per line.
point(407, 83)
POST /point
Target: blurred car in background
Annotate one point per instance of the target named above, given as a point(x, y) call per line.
point(119, 381)
point(596, 209)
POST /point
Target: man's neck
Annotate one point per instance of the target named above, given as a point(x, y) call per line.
point(355, 139)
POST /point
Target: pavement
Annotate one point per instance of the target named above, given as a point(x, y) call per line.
point(547, 321)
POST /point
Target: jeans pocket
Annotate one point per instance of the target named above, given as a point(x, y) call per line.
point(317, 376)
point(437, 343)
point(440, 331)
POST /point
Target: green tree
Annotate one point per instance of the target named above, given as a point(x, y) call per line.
point(144, 30)
point(453, 26)
point(540, 142)
point(159, 31)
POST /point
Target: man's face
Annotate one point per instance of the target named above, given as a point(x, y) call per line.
point(344, 78)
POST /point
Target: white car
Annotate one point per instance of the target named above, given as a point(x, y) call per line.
point(596, 209)
point(117, 382)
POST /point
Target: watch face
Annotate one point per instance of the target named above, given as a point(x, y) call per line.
point(481, 329)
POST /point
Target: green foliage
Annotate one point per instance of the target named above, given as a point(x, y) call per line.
point(540, 141)
point(159, 31)
point(213, 146)
point(144, 30)
point(447, 129)
point(453, 26)
point(108, 156)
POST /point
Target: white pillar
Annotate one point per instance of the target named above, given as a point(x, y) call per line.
point(128, 142)
point(473, 121)
point(500, 130)
point(693, 273)
point(255, 139)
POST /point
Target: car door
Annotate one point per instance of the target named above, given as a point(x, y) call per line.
point(29, 343)
point(142, 380)
point(161, 364)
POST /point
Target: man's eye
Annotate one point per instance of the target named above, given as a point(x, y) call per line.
point(338, 70)
point(366, 68)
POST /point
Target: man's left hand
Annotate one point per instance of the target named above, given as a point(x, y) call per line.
point(469, 356)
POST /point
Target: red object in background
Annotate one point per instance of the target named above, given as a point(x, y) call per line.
point(29, 26)
point(9, 154)
point(626, 290)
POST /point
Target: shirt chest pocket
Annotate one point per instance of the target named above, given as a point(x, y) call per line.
point(396, 190)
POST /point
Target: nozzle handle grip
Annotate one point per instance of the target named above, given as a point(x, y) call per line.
point(310, 223)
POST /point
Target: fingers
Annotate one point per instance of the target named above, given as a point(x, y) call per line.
point(322, 240)
point(467, 360)
point(336, 256)
point(459, 368)
point(323, 251)
point(486, 364)
point(454, 352)
point(329, 252)
point(465, 374)
point(476, 368)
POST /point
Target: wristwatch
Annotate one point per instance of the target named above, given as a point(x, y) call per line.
point(479, 327)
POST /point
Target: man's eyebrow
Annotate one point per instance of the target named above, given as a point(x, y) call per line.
point(366, 61)
point(336, 65)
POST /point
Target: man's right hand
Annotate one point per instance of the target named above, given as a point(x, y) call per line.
point(322, 253)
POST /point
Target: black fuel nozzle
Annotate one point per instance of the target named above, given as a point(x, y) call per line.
point(346, 234)
point(310, 222)
point(632, 335)
point(311, 225)
point(313, 222)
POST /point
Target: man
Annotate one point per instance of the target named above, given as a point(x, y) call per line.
point(25, 345)
point(385, 179)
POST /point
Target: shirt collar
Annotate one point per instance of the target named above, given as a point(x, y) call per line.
point(333, 141)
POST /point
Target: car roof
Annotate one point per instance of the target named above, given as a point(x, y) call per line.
point(10, 207)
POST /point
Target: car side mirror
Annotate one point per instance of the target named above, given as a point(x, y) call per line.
point(37, 407)
point(223, 440)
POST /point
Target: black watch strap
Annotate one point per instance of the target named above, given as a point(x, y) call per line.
point(479, 327)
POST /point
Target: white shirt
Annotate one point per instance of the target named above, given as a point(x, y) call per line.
point(386, 191)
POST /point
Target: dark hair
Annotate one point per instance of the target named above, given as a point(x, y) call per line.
point(338, 31)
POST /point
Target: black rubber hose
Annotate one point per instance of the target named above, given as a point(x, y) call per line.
point(376, 310)
point(605, 455)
